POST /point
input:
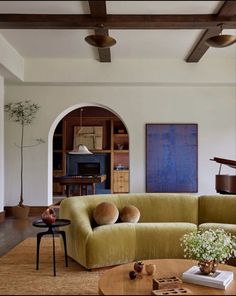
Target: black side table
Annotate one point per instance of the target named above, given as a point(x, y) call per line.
point(51, 230)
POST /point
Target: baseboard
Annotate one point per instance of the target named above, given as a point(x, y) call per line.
point(37, 211)
point(34, 210)
point(2, 216)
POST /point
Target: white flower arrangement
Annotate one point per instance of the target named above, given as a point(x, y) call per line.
point(209, 245)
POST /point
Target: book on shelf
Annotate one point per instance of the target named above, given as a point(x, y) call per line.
point(220, 279)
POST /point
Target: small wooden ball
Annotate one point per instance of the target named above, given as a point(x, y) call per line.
point(150, 269)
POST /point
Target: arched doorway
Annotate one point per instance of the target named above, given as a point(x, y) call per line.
point(111, 152)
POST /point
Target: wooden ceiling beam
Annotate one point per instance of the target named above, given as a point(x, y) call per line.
point(227, 10)
point(98, 10)
point(104, 53)
point(115, 22)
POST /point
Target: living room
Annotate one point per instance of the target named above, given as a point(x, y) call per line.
point(147, 81)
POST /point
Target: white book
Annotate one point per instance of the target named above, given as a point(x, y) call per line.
point(220, 279)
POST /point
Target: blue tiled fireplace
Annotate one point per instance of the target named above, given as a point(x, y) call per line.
point(103, 159)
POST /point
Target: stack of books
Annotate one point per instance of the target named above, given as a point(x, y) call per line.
point(220, 279)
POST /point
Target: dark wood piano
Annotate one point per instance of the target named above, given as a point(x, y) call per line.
point(225, 184)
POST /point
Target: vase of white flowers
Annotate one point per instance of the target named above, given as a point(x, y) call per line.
point(207, 266)
point(209, 248)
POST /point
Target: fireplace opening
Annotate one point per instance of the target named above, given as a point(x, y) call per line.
point(88, 168)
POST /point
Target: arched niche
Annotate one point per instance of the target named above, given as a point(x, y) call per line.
point(118, 150)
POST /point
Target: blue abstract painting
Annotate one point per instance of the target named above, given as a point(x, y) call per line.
point(171, 158)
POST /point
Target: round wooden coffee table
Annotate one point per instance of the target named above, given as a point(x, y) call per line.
point(116, 281)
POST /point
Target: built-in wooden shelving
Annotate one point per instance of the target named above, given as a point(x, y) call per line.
point(115, 143)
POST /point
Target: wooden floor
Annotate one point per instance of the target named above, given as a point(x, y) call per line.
point(13, 231)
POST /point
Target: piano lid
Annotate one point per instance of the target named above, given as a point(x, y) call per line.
point(228, 162)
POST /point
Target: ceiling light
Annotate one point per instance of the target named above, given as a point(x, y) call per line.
point(220, 41)
point(81, 148)
point(101, 41)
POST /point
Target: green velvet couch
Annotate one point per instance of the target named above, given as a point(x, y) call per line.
point(164, 219)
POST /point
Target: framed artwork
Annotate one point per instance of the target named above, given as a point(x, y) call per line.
point(171, 158)
point(90, 136)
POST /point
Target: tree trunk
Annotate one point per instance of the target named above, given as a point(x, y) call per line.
point(21, 164)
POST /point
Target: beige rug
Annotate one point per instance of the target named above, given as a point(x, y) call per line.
point(18, 275)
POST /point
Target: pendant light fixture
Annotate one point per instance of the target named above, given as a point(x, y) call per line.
point(81, 148)
point(222, 40)
point(100, 40)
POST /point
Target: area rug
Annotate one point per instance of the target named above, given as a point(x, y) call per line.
point(18, 274)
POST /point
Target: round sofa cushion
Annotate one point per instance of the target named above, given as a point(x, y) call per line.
point(130, 214)
point(105, 213)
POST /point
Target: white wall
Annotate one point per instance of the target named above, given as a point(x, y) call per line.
point(138, 72)
point(11, 62)
point(1, 144)
point(211, 106)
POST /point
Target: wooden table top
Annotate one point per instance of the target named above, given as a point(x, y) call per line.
point(116, 281)
point(80, 179)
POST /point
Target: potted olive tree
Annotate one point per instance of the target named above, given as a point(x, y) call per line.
point(22, 112)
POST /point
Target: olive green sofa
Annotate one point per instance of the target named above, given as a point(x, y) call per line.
point(217, 211)
point(164, 219)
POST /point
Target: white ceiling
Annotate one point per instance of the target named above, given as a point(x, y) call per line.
point(131, 44)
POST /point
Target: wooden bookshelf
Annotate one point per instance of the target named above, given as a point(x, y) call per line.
point(115, 143)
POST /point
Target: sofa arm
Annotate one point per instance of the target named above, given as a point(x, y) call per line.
point(77, 234)
point(217, 209)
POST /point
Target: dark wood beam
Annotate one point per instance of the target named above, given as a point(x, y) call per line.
point(115, 22)
point(104, 53)
point(227, 10)
point(201, 47)
point(98, 10)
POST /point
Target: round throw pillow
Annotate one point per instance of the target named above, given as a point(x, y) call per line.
point(130, 214)
point(105, 213)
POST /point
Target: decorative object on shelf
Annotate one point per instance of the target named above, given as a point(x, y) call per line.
point(150, 268)
point(22, 112)
point(120, 146)
point(120, 167)
point(221, 40)
point(100, 40)
point(49, 216)
point(209, 247)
